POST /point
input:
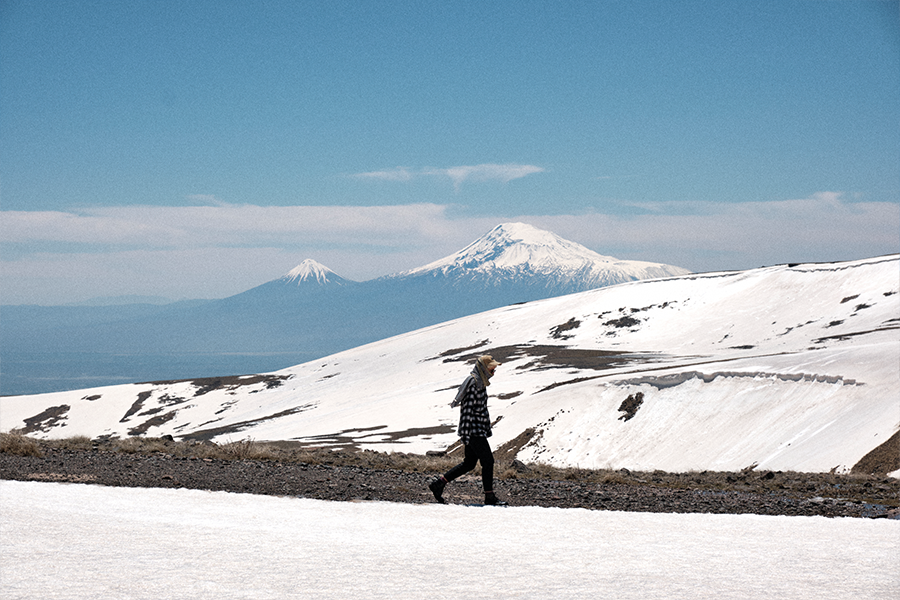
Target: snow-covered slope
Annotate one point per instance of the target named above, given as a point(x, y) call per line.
point(786, 368)
point(517, 252)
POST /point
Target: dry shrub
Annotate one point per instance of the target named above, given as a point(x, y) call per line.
point(80, 442)
point(413, 463)
point(612, 477)
point(246, 450)
point(77, 442)
point(19, 445)
point(507, 473)
point(140, 445)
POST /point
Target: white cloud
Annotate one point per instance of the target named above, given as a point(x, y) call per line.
point(215, 251)
point(398, 174)
point(225, 225)
point(88, 227)
point(211, 251)
point(722, 236)
point(458, 175)
point(486, 172)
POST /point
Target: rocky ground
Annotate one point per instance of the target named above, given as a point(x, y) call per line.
point(753, 492)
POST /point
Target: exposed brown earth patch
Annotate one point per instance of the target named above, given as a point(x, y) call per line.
point(136, 406)
point(46, 419)
point(630, 406)
point(208, 434)
point(547, 356)
point(507, 452)
point(350, 439)
point(152, 422)
point(623, 322)
point(558, 331)
point(454, 351)
point(206, 385)
point(883, 459)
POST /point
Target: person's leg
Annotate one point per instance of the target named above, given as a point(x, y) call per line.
point(482, 450)
point(468, 463)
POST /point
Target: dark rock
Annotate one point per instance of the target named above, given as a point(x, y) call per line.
point(348, 483)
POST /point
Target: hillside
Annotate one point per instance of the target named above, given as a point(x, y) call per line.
point(783, 368)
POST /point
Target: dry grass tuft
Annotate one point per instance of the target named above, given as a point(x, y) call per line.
point(19, 445)
point(79, 442)
point(140, 445)
point(244, 450)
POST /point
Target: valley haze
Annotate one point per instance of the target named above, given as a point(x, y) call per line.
point(308, 313)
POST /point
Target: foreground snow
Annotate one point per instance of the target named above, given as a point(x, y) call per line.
point(79, 541)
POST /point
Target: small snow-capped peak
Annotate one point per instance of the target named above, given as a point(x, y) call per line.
point(311, 271)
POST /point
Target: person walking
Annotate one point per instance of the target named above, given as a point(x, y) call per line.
point(474, 430)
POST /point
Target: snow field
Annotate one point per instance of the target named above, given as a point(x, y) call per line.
point(82, 541)
point(730, 424)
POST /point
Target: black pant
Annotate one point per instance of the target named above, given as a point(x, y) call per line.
point(477, 449)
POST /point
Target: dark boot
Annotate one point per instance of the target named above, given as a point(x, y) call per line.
point(491, 499)
point(437, 488)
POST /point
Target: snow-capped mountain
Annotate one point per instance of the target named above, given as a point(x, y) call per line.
point(307, 313)
point(511, 264)
point(517, 253)
point(310, 271)
point(309, 278)
point(790, 367)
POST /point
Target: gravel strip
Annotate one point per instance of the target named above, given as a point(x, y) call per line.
point(353, 483)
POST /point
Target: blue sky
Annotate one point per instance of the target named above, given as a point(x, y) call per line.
point(196, 149)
